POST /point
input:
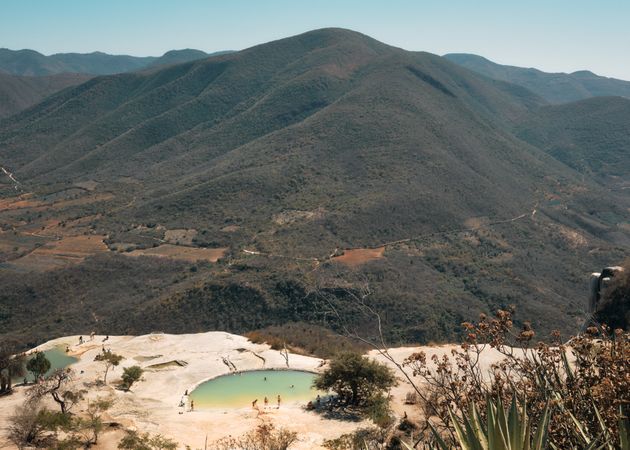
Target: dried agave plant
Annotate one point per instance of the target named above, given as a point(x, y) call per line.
point(580, 389)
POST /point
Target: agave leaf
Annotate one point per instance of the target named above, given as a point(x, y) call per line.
point(540, 439)
point(477, 428)
point(515, 426)
point(503, 426)
point(567, 366)
point(526, 428)
point(602, 424)
point(624, 429)
point(579, 428)
point(527, 442)
point(438, 438)
point(493, 435)
point(462, 437)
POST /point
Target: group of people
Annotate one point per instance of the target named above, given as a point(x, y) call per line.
point(266, 400)
point(92, 334)
point(185, 402)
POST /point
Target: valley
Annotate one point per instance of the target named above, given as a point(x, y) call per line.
point(327, 239)
point(446, 193)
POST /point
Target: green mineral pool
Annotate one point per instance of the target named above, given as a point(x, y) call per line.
point(239, 390)
point(58, 358)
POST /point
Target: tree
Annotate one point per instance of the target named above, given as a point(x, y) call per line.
point(136, 441)
point(38, 365)
point(130, 376)
point(57, 385)
point(88, 428)
point(355, 378)
point(110, 359)
point(25, 428)
point(11, 365)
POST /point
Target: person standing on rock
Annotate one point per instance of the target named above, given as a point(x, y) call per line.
point(278, 401)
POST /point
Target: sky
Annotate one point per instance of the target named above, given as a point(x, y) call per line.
point(551, 35)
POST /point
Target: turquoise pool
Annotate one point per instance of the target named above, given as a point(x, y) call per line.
point(241, 389)
point(58, 358)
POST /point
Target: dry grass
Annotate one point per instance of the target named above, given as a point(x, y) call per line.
point(56, 254)
point(182, 253)
point(358, 256)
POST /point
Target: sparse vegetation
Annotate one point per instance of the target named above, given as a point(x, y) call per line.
point(144, 441)
point(38, 365)
point(11, 364)
point(357, 380)
point(25, 428)
point(265, 437)
point(457, 253)
point(109, 359)
point(130, 376)
point(59, 385)
point(580, 389)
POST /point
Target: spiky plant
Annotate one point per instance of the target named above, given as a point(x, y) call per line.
point(511, 431)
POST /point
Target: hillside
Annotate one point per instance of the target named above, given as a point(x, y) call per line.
point(18, 93)
point(554, 87)
point(32, 63)
point(279, 157)
point(592, 136)
point(178, 57)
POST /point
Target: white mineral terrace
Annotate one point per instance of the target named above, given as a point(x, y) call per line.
point(152, 405)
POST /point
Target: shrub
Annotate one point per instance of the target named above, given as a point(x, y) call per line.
point(38, 365)
point(136, 441)
point(356, 379)
point(130, 376)
point(582, 385)
point(265, 437)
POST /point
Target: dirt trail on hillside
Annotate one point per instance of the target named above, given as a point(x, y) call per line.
point(16, 183)
point(357, 256)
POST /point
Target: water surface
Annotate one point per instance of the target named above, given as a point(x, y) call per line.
point(240, 390)
point(58, 358)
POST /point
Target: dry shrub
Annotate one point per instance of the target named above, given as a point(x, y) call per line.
point(264, 437)
point(585, 382)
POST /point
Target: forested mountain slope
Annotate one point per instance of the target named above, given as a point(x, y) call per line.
point(555, 87)
point(287, 153)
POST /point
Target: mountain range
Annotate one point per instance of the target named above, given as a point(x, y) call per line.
point(33, 63)
point(554, 87)
point(478, 192)
point(20, 92)
point(27, 77)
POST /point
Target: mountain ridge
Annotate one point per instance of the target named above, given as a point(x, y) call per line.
point(304, 147)
point(28, 62)
point(555, 87)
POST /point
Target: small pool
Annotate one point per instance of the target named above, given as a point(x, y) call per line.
point(58, 358)
point(241, 389)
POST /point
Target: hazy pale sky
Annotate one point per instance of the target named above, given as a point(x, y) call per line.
point(552, 35)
